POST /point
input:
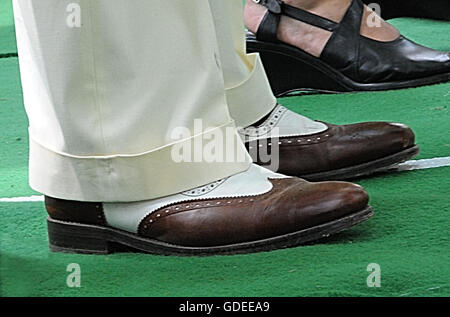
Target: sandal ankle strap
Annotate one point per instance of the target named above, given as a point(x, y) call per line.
point(268, 28)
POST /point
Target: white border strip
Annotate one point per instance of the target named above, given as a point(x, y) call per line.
point(22, 199)
point(423, 164)
point(407, 166)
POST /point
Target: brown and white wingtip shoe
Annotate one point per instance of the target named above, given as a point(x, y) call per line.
point(319, 151)
point(256, 210)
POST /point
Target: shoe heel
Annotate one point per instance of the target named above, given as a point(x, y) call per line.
point(288, 75)
point(77, 238)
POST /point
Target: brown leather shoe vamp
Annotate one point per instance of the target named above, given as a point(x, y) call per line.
point(341, 146)
point(292, 205)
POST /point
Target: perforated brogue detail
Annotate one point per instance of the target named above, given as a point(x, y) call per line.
point(202, 190)
point(291, 141)
point(267, 125)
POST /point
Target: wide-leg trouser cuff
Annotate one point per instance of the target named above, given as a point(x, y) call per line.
point(135, 177)
point(252, 99)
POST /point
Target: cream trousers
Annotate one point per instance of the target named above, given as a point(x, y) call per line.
point(107, 82)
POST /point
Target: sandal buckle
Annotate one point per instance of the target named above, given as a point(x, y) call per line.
point(274, 6)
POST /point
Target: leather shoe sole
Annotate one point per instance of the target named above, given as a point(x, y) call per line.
point(94, 239)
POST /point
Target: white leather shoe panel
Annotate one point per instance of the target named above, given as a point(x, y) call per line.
point(293, 124)
point(287, 122)
point(254, 181)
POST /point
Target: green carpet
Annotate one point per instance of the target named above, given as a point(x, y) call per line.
point(408, 236)
point(7, 33)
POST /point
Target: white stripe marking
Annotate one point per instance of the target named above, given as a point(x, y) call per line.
point(22, 199)
point(423, 164)
point(407, 166)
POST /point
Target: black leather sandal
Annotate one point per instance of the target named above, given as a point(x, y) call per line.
point(429, 9)
point(349, 61)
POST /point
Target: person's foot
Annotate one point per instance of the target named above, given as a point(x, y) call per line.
point(336, 46)
point(313, 39)
point(319, 151)
point(256, 210)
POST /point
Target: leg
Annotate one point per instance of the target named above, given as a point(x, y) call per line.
point(104, 101)
point(313, 39)
point(249, 95)
point(102, 112)
point(339, 45)
point(307, 148)
point(248, 91)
